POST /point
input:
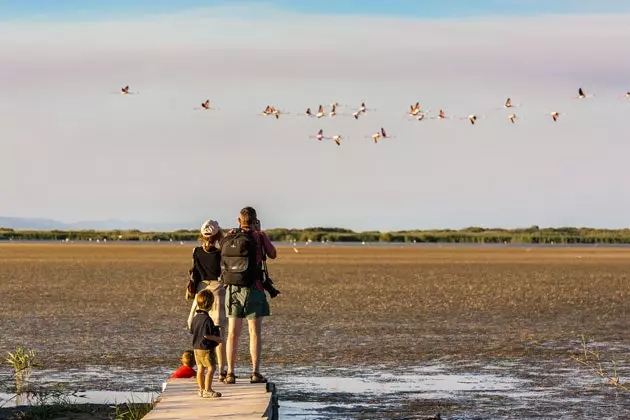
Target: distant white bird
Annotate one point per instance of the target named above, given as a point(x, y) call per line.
point(555, 116)
point(320, 112)
point(512, 117)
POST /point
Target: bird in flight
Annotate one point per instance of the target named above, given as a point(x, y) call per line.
point(308, 112)
point(320, 112)
point(582, 95)
point(414, 109)
point(441, 115)
point(333, 110)
point(473, 119)
point(512, 117)
point(555, 116)
point(125, 91)
point(320, 136)
point(382, 134)
point(206, 105)
point(363, 108)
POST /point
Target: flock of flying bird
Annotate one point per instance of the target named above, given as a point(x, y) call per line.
point(415, 112)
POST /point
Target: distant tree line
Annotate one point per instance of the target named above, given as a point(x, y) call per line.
point(530, 235)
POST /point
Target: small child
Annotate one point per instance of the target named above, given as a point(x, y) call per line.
point(205, 338)
point(186, 370)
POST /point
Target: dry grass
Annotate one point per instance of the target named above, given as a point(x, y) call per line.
point(121, 304)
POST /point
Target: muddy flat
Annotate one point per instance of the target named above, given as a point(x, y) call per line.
point(340, 308)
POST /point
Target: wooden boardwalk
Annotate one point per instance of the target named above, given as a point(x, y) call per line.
point(240, 401)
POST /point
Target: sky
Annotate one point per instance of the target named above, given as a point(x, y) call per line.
point(73, 149)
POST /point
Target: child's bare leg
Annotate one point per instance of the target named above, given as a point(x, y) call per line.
point(200, 370)
point(209, 375)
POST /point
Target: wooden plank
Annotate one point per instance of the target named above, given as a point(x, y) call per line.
point(239, 401)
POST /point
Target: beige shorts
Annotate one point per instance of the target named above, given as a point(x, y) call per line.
point(217, 312)
point(205, 358)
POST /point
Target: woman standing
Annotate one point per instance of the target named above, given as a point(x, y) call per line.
point(206, 272)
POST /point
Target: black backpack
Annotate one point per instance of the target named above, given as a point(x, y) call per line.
point(238, 259)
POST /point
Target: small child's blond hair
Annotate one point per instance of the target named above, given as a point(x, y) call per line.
point(205, 299)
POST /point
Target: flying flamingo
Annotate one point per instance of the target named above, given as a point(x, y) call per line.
point(125, 91)
point(555, 116)
point(582, 95)
point(441, 116)
point(206, 105)
point(473, 118)
point(319, 136)
point(382, 134)
point(333, 111)
point(363, 108)
point(320, 112)
point(512, 117)
point(308, 112)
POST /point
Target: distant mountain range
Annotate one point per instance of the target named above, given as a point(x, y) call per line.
point(25, 223)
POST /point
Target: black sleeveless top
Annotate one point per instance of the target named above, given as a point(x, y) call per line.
point(206, 265)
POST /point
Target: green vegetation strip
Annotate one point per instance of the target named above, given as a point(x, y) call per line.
point(531, 235)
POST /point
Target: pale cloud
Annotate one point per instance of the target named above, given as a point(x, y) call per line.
point(71, 149)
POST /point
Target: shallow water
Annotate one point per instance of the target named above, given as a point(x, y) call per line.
point(469, 390)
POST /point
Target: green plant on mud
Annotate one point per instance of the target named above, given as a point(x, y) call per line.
point(592, 360)
point(44, 401)
point(132, 410)
point(22, 361)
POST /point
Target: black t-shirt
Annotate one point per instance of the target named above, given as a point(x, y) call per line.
point(207, 264)
point(202, 325)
